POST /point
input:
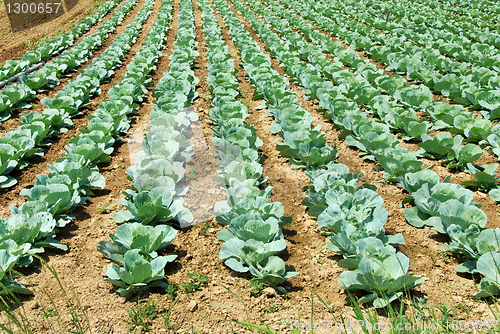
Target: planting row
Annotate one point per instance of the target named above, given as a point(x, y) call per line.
point(422, 16)
point(334, 196)
point(153, 201)
point(378, 98)
point(452, 44)
point(444, 117)
point(473, 87)
point(388, 112)
point(254, 237)
point(479, 13)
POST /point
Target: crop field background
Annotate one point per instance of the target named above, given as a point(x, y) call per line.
point(212, 166)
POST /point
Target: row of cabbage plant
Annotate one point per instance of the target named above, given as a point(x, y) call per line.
point(384, 147)
point(446, 207)
point(422, 17)
point(453, 118)
point(165, 149)
point(450, 209)
point(377, 142)
point(352, 123)
point(355, 87)
point(353, 219)
point(466, 14)
point(442, 116)
point(471, 86)
point(254, 238)
point(450, 44)
point(153, 200)
point(353, 216)
point(303, 146)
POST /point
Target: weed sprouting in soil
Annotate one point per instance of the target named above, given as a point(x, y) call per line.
point(142, 317)
point(255, 288)
point(197, 282)
point(18, 321)
point(103, 207)
point(205, 227)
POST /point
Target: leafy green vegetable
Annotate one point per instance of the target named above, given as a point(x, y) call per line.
point(252, 226)
point(8, 286)
point(488, 265)
point(153, 207)
point(29, 233)
point(257, 258)
point(149, 240)
point(472, 242)
point(485, 176)
point(260, 206)
point(306, 149)
point(57, 197)
point(137, 274)
point(358, 208)
point(442, 205)
point(385, 280)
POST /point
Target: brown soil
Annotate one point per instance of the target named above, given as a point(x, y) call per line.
point(225, 298)
point(15, 44)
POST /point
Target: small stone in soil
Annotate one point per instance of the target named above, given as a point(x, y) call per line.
point(192, 306)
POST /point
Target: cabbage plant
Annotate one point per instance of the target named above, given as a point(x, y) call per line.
point(257, 258)
point(149, 240)
point(7, 284)
point(153, 207)
point(489, 266)
point(138, 273)
point(384, 280)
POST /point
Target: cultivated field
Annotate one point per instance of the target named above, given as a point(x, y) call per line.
point(204, 166)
